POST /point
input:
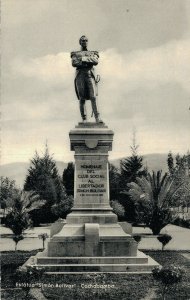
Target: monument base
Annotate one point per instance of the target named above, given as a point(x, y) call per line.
point(91, 239)
point(139, 264)
point(92, 248)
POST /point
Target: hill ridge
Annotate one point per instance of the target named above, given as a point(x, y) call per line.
point(18, 170)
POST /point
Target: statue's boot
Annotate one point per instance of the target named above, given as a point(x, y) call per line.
point(82, 110)
point(98, 120)
point(95, 111)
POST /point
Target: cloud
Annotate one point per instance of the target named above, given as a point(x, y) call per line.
point(22, 12)
point(145, 69)
point(147, 89)
point(51, 68)
point(149, 68)
point(146, 86)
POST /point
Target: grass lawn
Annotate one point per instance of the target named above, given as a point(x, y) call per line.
point(111, 286)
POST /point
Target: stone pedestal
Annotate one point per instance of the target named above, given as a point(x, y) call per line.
point(92, 240)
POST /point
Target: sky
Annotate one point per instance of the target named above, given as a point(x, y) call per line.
point(144, 65)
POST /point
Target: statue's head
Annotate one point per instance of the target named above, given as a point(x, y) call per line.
point(83, 41)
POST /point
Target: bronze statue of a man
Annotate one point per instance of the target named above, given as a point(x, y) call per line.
point(85, 80)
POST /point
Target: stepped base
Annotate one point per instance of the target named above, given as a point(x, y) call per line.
point(92, 248)
point(91, 239)
point(75, 265)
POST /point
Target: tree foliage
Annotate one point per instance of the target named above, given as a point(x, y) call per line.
point(179, 171)
point(170, 162)
point(154, 197)
point(8, 192)
point(63, 208)
point(114, 180)
point(18, 219)
point(68, 178)
point(131, 168)
point(44, 179)
point(164, 239)
point(137, 238)
point(168, 277)
point(118, 209)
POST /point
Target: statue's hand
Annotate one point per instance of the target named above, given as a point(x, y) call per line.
point(85, 58)
point(90, 59)
point(76, 61)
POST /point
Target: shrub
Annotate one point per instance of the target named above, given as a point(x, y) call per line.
point(17, 222)
point(41, 216)
point(63, 208)
point(29, 275)
point(168, 276)
point(164, 239)
point(137, 238)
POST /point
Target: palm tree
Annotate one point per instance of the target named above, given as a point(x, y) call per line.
point(153, 196)
point(18, 219)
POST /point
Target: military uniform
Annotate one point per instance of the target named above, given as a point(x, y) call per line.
point(85, 82)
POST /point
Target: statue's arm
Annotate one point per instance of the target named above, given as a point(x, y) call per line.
point(76, 60)
point(91, 59)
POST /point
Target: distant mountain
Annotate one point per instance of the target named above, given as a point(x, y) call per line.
point(153, 162)
point(15, 171)
point(18, 171)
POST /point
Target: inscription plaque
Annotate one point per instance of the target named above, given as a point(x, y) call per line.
point(91, 180)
